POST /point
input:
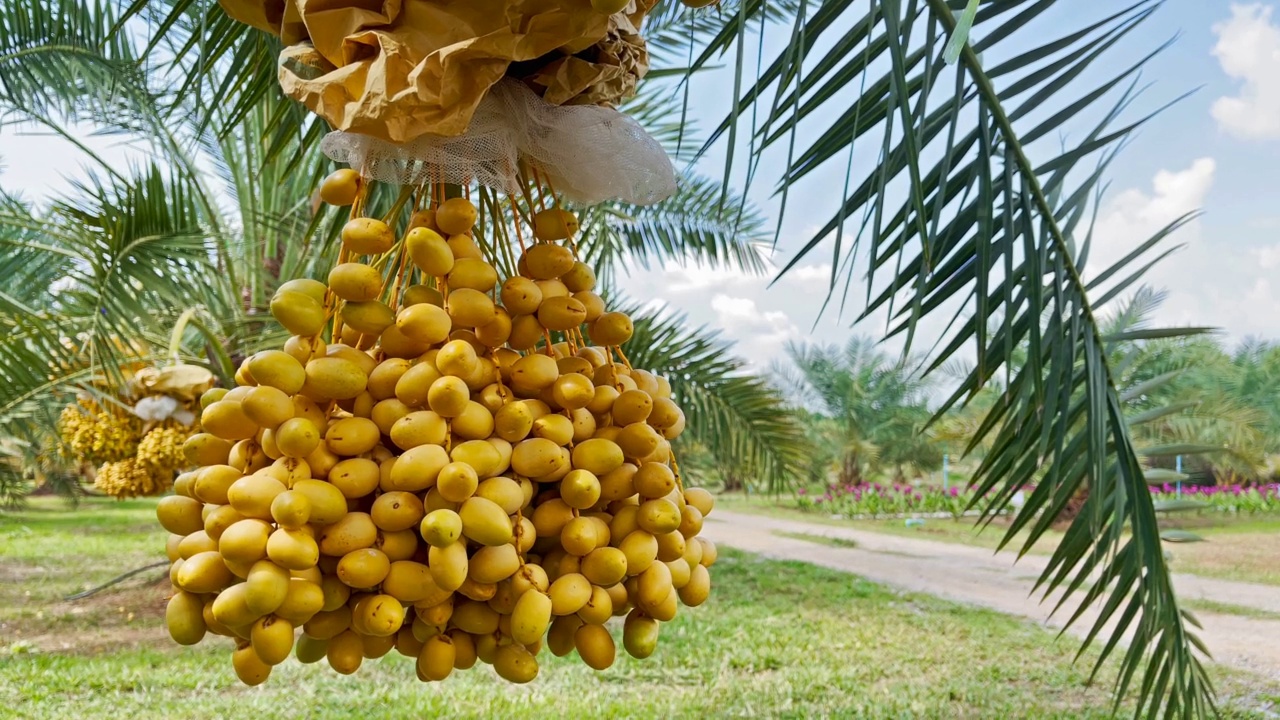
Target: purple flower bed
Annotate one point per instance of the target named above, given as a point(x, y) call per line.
point(875, 500)
point(1225, 498)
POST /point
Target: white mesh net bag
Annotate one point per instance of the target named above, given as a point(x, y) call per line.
point(588, 153)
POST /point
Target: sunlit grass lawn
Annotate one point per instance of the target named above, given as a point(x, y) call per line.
point(1243, 548)
point(777, 639)
point(50, 551)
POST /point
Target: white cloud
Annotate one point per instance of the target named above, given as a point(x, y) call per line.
point(733, 311)
point(809, 273)
point(1220, 280)
point(655, 306)
point(737, 314)
point(687, 278)
point(761, 333)
point(751, 311)
point(1135, 215)
point(1248, 50)
point(38, 165)
point(1268, 258)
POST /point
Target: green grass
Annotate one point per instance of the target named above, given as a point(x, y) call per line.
point(98, 531)
point(1224, 524)
point(777, 639)
point(1243, 549)
point(1213, 606)
point(50, 550)
point(820, 539)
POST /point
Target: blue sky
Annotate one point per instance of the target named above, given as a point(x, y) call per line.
point(1217, 151)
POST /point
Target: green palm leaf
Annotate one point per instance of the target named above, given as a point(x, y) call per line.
point(955, 218)
point(691, 226)
point(60, 56)
point(1198, 405)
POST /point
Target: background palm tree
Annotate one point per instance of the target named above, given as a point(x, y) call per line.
point(1257, 376)
point(972, 207)
point(1185, 396)
point(868, 410)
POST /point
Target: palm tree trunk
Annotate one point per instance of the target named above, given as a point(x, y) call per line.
point(850, 473)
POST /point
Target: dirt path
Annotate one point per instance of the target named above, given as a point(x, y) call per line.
point(976, 576)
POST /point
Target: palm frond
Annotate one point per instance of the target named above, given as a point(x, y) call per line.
point(128, 250)
point(972, 209)
point(671, 27)
point(24, 284)
point(57, 57)
point(214, 61)
point(270, 180)
point(1218, 421)
point(1133, 312)
point(690, 227)
point(1187, 391)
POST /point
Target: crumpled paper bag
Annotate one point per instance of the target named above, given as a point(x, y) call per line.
point(401, 69)
point(602, 75)
point(182, 382)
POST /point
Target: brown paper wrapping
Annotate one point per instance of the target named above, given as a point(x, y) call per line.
point(602, 75)
point(264, 15)
point(182, 382)
point(401, 69)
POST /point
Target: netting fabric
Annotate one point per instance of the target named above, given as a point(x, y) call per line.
point(588, 153)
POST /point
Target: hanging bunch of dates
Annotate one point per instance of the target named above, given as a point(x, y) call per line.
point(451, 457)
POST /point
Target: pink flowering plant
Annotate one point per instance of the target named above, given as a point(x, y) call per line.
point(874, 500)
point(1253, 500)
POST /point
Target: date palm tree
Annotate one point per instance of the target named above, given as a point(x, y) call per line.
point(1183, 395)
point(1187, 396)
point(869, 410)
point(973, 135)
point(179, 257)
